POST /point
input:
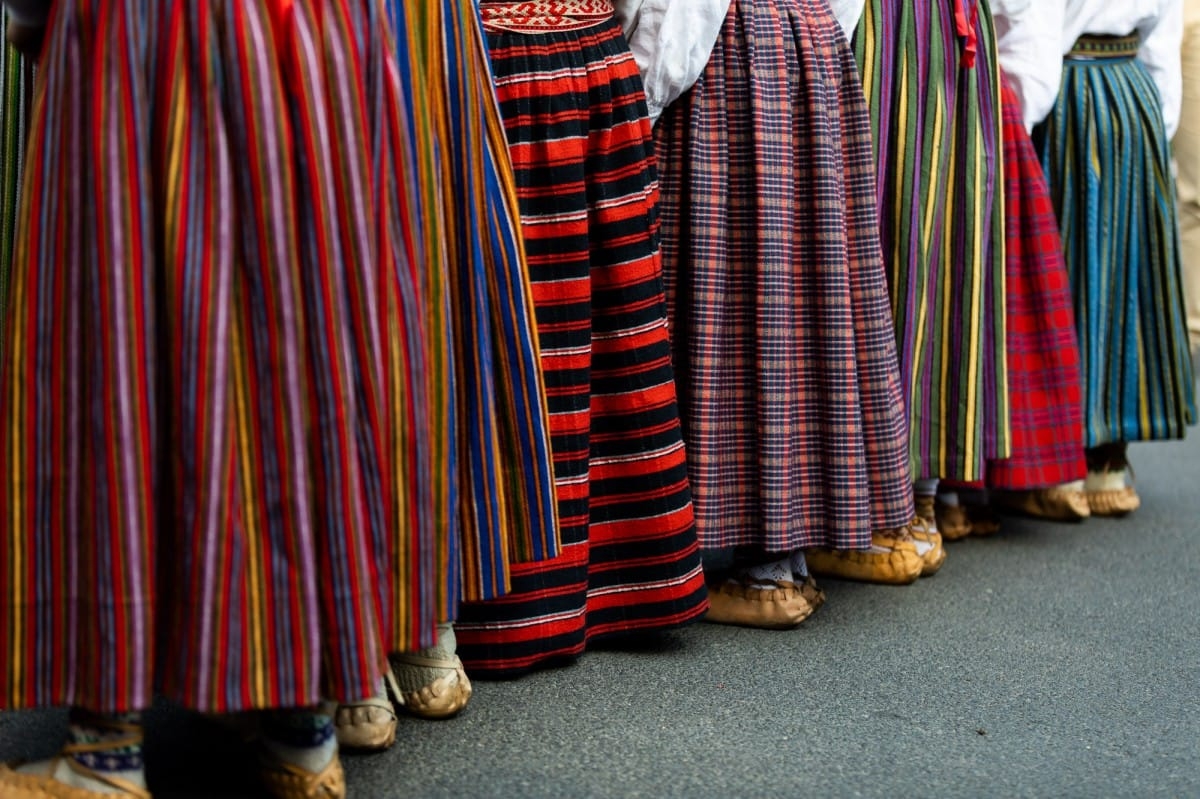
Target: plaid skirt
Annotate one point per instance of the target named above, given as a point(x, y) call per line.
point(1111, 185)
point(211, 370)
point(1045, 392)
point(790, 393)
point(932, 84)
point(580, 140)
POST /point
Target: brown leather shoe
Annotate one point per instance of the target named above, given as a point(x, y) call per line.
point(286, 781)
point(892, 560)
point(934, 555)
point(1057, 503)
point(16, 785)
point(782, 607)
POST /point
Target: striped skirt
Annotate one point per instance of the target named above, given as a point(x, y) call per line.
point(1045, 392)
point(1111, 185)
point(492, 479)
point(211, 317)
point(575, 113)
point(16, 97)
point(931, 81)
point(790, 394)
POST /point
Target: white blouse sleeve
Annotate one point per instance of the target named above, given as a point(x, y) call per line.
point(848, 13)
point(1029, 46)
point(671, 41)
point(1160, 52)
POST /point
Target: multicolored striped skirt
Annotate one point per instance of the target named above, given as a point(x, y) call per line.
point(574, 108)
point(16, 99)
point(207, 379)
point(931, 80)
point(790, 393)
point(492, 479)
point(1111, 184)
point(1045, 391)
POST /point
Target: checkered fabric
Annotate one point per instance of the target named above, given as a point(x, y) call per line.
point(1045, 388)
point(783, 340)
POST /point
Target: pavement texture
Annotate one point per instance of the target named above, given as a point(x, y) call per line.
point(1049, 661)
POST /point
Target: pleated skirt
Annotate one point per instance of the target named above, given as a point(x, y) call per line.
point(16, 97)
point(575, 114)
point(793, 410)
point(207, 350)
point(931, 81)
point(1045, 390)
point(1111, 185)
point(491, 477)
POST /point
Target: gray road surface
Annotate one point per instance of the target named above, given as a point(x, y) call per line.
point(1052, 661)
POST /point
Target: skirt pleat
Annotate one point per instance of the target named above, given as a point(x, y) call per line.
point(575, 114)
point(198, 505)
point(492, 425)
point(930, 77)
point(1045, 389)
point(790, 393)
point(1111, 185)
point(16, 97)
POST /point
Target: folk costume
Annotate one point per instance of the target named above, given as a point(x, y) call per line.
point(1105, 149)
point(579, 137)
point(782, 336)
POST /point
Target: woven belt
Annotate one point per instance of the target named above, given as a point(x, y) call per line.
point(538, 16)
point(1106, 47)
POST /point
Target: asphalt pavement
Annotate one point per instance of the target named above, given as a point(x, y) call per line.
point(1049, 661)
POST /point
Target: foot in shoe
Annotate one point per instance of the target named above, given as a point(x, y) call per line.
point(103, 754)
point(303, 738)
point(368, 725)
point(432, 683)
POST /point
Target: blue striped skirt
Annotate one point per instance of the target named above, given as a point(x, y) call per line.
point(1110, 181)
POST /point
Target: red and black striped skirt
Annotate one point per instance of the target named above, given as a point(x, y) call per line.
point(574, 109)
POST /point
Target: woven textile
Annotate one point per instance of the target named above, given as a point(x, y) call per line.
point(195, 491)
point(1045, 391)
point(490, 425)
point(931, 81)
point(790, 393)
point(1110, 182)
point(575, 113)
point(16, 90)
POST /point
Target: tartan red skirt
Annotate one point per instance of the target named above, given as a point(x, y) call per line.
point(575, 113)
point(1044, 382)
point(790, 389)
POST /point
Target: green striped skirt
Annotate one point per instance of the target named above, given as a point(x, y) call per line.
point(932, 84)
point(1110, 180)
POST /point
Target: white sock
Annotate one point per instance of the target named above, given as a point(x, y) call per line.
point(766, 575)
point(799, 567)
point(949, 499)
point(124, 762)
point(411, 678)
point(303, 738)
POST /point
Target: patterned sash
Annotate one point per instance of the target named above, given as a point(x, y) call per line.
point(537, 16)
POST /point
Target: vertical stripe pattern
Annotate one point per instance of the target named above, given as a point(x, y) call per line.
point(580, 142)
point(1111, 185)
point(194, 492)
point(930, 76)
point(790, 393)
point(486, 373)
point(16, 97)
